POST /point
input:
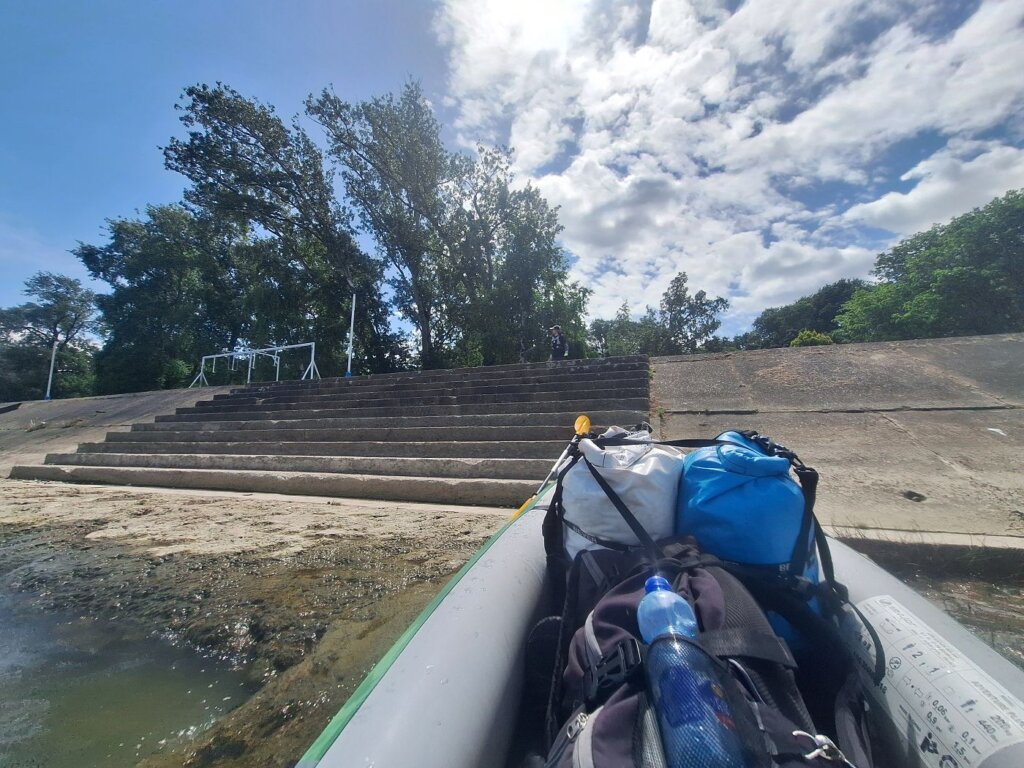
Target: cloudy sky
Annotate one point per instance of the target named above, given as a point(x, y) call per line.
point(764, 147)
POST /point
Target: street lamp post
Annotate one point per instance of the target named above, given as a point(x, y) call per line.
point(351, 333)
point(53, 361)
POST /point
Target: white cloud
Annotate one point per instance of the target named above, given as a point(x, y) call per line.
point(689, 138)
point(950, 182)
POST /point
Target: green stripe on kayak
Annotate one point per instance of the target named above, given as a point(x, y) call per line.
point(348, 710)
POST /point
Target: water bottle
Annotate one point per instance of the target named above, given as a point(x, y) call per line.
point(697, 730)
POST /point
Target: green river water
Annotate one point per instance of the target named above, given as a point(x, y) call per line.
point(75, 693)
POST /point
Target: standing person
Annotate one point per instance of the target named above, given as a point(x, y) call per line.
point(559, 344)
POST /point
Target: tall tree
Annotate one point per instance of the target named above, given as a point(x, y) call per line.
point(178, 292)
point(63, 313)
point(778, 326)
point(398, 175)
point(690, 320)
point(475, 264)
point(246, 164)
point(682, 325)
point(961, 278)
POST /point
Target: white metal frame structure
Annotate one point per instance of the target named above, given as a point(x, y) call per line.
point(273, 353)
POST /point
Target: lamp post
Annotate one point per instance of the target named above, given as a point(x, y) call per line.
point(53, 361)
point(351, 332)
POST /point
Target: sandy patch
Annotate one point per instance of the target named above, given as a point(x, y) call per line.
point(304, 593)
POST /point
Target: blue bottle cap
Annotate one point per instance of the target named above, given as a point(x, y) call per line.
point(655, 583)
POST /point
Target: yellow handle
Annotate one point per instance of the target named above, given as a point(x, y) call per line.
point(582, 428)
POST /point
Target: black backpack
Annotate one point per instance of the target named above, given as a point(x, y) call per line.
point(598, 712)
point(599, 704)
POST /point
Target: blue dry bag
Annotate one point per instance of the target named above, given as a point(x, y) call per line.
point(741, 503)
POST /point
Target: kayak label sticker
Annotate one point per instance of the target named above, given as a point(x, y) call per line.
point(956, 714)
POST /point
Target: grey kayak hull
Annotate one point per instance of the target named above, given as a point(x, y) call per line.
point(447, 696)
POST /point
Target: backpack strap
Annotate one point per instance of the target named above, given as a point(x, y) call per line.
point(622, 663)
point(743, 642)
point(606, 543)
point(554, 537)
point(635, 525)
point(683, 443)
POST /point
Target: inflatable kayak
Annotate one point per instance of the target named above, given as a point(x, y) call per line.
point(448, 693)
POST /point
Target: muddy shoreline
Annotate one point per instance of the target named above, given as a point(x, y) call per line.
point(304, 618)
point(305, 595)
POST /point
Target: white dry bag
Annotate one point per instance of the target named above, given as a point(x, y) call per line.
point(646, 479)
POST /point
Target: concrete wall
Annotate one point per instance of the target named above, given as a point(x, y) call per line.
point(941, 418)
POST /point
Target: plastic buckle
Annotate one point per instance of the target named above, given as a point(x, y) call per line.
point(824, 748)
point(803, 587)
point(613, 669)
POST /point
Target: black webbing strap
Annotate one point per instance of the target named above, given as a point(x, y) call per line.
point(554, 545)
point(635, 525)
point(808, 479)
point(687, 443)
point(554, 537)
point(828, 568)
point(835, 596)
point(747, 643)
point(606, 543)
point(617, 666)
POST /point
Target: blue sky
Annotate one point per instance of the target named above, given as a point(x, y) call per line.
point(97, 82)
point(765, 148)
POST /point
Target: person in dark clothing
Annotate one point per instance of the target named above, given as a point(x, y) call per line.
point(559, 344)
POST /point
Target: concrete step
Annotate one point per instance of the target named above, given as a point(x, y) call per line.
point(563, 420)
point(494, 469)
point(511, 392)
point(495, 449)
point(637, 404)
point(508, 493)
point(429, 397)
point(388, 434)
point(543, 381)
point(469, 436)
point(396, 403)
point(481, 373)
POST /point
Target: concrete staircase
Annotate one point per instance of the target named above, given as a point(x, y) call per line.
point(466, 436)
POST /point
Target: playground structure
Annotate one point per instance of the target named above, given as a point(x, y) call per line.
point(250, 356)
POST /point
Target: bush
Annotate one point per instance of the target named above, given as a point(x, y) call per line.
point(809, 338)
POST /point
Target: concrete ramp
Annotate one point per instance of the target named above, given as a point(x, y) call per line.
point(30, 430)
point(908, 436)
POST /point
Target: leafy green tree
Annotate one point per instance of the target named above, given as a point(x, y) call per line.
point(810, 338)
point(690, 320)
point(398, 175)
point(961, 278)
point(177, 293)
point(682, 325)
point(618, 336)
point(63, 313)
point(475, 266)
point(246, 165)
point(722, 344)
point(778, 326)
point(744, 341)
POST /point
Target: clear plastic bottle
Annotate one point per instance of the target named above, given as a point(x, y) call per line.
point(697, 729)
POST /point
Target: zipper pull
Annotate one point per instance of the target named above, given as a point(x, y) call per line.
point(576, 725)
